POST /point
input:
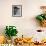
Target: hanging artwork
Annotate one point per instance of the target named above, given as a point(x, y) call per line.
point(16, 10)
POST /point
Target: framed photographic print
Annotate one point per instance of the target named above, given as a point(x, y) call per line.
point(16, 10)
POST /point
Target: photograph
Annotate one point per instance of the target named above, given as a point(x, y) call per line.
point(16, 10)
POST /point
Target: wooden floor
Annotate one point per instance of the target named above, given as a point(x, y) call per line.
point(30, 45)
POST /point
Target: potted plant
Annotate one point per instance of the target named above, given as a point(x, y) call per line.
point(10, 31)
point(42, 17)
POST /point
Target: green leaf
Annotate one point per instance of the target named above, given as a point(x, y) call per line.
point(10, 31)
point(45, 16)
point(40, 18)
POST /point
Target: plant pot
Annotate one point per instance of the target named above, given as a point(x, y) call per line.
point(13, 38)
point(43, 23)
point(9, 41)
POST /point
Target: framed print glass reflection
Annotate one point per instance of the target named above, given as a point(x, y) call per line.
point(16, 10)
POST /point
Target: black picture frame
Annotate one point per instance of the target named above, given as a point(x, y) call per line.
point(16, 10)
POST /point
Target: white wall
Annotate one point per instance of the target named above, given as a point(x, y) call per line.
point(25, 24)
